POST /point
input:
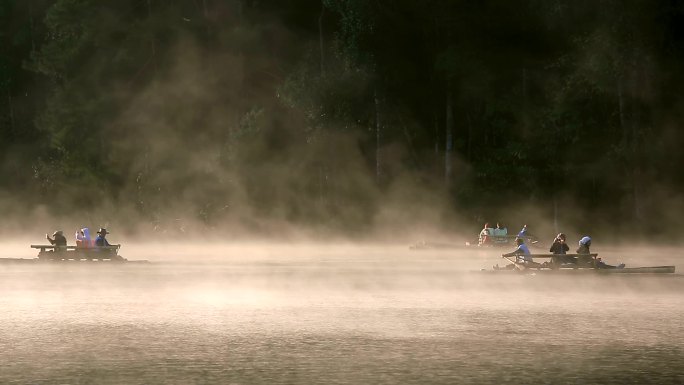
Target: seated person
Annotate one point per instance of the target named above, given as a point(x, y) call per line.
point(559, 247)
point(522, 253)
point(501, 230)
point(83, 238)
point(101, 239)
point(59, 241)
point(584, 258)
point(584, 245)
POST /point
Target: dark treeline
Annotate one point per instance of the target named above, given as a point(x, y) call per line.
point(324, 112)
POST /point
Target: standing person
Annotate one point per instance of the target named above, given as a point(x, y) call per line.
point(484, 235)
point(59, 240)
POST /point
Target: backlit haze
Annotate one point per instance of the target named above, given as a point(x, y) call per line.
point(276, 163)
point(335, 313)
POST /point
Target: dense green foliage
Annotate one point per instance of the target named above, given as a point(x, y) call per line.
point(324, 113)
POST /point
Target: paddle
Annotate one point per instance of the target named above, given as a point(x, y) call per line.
point(517, 265)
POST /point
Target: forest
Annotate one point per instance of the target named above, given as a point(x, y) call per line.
point(341, 116)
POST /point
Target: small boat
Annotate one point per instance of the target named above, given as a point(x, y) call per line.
point(74, 254)
point(493, 241)
point(582, 263)
point(505, 241)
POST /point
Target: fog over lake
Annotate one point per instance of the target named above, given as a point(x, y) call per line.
point(336, 313)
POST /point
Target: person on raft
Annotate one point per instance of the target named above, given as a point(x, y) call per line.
point(560, 247)
point(522, 255)
point(101, 239)
point(59, 240)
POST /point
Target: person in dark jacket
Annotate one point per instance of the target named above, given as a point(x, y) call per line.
point(560, 247)
point(59, 240)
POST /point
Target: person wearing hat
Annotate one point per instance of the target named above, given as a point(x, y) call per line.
point(584, 245)
point(584, 257)
point(101, 239)
point(59, 239)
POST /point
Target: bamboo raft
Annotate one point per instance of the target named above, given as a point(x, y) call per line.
point(583, 263)
point(74, 254)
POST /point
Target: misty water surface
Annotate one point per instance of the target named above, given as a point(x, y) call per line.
point(336, 314)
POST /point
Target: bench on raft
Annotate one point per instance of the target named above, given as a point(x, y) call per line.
point(77, 248)
point(582, 260)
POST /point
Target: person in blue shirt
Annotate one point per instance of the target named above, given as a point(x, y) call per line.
point(521, 253)
point(523, 232)
point(101, 239)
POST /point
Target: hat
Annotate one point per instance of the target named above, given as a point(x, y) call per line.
point(102, 230)
point(58, 232)
point(585, 240)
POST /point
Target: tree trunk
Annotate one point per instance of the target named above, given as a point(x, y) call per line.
point(636, 164)
point(525, 119)
point(378, 137)
point(436, 124)
point(31, 33)
point(320, 38)
point(555, 214)
point(621, 111)
point(153, 43)
point(10, 107)
point(469, 143)
point(449, 140)
point(629, 145)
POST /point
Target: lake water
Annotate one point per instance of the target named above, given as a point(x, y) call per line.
point(326, 314)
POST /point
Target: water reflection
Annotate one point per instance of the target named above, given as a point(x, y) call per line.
point(352, 315)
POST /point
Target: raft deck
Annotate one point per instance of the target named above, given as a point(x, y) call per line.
point(583, 263)
point(53, 253)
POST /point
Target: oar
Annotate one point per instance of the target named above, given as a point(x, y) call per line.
point(517, 265)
